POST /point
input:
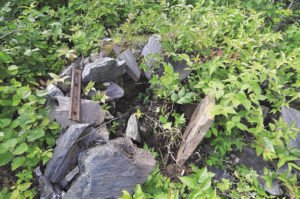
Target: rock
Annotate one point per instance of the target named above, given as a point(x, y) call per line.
point(106, 170)
point(114, 91)
point(292, 116)
point(47, 190)
point(65, 85)
point(117, 50)
point(265, 110)
point(91, 136)
point(91, 112)
point(108, 116)
point(274, 189)
point(249, 158)
point(68, 71)
point(180, 67)
point(132, 68)
point(150, 50)
point(103, 70)
point(65, 153)
point(220, 173)
point(69, 177)
point(132, 130)
point(53, 91)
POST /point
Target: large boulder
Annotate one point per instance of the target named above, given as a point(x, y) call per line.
point(103, 70)
point(90, 112)
point(106, 170)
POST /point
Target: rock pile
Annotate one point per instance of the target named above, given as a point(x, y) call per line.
point(85, 162)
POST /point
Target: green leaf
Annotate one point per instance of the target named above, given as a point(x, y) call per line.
point(5, 158)
point(188, 181)
point(5, 58)
point(4, 123)
point(126, 195)
point(21, 149)
point(35, 134)
point(17, 162)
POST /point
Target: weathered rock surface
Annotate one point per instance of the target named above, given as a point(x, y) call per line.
point(132, 68)
point(92, 136)
point(292, 116)
point(53, 91)
point(103, 70)
point(274, 189)
point(132, 130)
point(151, 49)
point(106, 170)
point(180, 67)
point(68, 71)
point(46, 189)
point(249, 158)
point(65, 85)
point(69, 177)
point(114, 91)
point(91, 112)
point(65, 153)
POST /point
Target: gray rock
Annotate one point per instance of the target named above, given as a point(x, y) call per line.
point(93, 136)
point(114, 91)
point(181, 67)
point(103, 70)
point(65, 85)
point(69, 177)
point(220, 174)
point(91, 112)
point(68, 71)
point(106, 170)
point(292, 116)
point(53, 91)
point(132, 68)
point(132, 130)
point(65, 153)
point(152, 48)
point(249, 158)
point(273, 190)
point(47, 190)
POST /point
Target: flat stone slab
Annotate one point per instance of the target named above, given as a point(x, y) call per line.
point(132, 68)
point(90, 113)
point(249, 158)
point(103, 70)
point(151, 49)
point(292, 116)
point(106, 170)
point(65, 153)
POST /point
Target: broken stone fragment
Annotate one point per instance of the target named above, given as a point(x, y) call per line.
point(132, 130)
point(132, 68)
point(103, 70)
point(65, 85)
point(65, 153)
point(180, 67)
point(68, 71)
point(69, 177)
point(90, 112)
point(53, 91)
point(274, 189)
point(292, 116)
point(92, 136)
point(107, 170)
point(114, 91)
point(151, 49)
point(249, 158)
